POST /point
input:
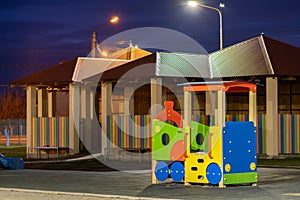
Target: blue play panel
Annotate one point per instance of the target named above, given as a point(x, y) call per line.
point(239, 146)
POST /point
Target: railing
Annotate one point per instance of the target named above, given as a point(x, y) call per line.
point(17, 131)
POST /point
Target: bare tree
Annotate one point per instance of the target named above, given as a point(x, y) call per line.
point(13, 104)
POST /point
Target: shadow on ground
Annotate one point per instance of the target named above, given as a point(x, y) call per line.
point(179, 191)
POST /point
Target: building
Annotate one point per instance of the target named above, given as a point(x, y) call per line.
point(126, 93)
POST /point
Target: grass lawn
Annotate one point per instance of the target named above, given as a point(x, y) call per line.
point(20, 151)
point(13, 151)
point(279, 162)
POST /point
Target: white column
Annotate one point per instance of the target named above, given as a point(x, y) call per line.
point(252, 107)
point(85, 116)
point(51, 104)
point(73, 118)
point(187, 109)
point(272, 116)
point(221, 110)
point(92, 104)
point(210, 102)
point(156, 100)
point(106, 93)
point(42, 102)
point(128, 101)
point(156, 95)
point(30, 112)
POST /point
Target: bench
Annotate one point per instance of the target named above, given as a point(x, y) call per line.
point(118, 151)
point(47, 149)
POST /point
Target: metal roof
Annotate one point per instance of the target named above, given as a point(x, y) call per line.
point(182, 65)
point(248, 58)
point(259, 56)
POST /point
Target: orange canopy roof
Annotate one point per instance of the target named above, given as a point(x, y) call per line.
point(227, 86)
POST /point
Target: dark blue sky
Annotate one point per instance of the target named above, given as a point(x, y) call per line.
point(36, 34)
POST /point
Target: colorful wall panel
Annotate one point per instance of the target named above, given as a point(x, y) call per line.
point(289, 133)
point(127, 131)
point(260, 129)
point(137, 131)
point(50, 131)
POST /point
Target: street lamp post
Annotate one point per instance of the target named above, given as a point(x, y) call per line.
point(222, 5)
point(112, 20)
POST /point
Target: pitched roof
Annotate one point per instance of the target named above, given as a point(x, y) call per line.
point(248, 58)
point(60, 74)
point(259, 56)
point(87, 67)
point(164, 65)
point(285, 58)
point(143, 67)
point(129, 53)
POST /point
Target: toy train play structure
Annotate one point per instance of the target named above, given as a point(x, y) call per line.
point(194, 153)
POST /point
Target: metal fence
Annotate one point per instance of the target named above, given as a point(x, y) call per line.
point(17, 131)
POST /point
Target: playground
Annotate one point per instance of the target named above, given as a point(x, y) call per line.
point(274, 183)
point(90, 179)
point(203, 140)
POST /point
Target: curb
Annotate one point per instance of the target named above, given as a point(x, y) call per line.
point(108, 196)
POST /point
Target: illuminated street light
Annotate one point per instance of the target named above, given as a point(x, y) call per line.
point(195, 4)
point(104, 53)
point(112, 20)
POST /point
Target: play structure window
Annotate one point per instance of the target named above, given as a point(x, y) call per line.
point(171, 122)
point(199, 139)
point(165, 139)
point(194, 168)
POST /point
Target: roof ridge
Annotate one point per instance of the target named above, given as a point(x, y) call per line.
point(233, 46)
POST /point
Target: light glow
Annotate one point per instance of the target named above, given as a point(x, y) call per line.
point(114, 20)
point(104, 53)
point(222, 5)
point(192, 3)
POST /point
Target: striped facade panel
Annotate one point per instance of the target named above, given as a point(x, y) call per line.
point(50, 131)
point(127, 131)
point(289, 133)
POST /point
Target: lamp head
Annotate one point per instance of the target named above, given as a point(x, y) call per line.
point(193, 3)
point(114, 20)
point(222, 5)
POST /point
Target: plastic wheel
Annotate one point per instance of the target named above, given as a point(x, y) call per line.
point(161, 171)
point(213, 173)
point(177, 171)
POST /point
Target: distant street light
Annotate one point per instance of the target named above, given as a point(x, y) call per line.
point(113, 20)
point(195, 4)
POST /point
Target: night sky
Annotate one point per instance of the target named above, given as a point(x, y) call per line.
point(36, 34)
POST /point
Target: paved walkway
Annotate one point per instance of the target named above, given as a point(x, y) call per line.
point(274, 183)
